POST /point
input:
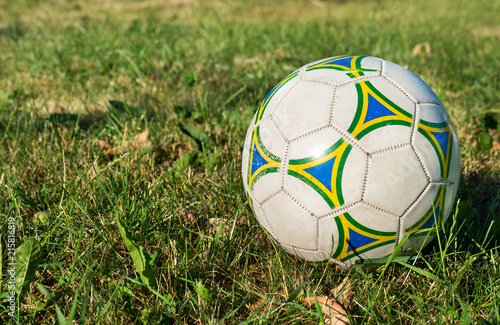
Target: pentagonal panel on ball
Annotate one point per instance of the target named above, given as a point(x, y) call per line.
point(292, 224)
point(395, 180)
point(265, 156)
point(324, 171)
point(305, 107)
point(275, 96)
point(375, 112)
point(361, 232)
point(341, 69)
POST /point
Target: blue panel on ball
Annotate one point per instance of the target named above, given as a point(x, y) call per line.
point(376, 109)
point(323, 172)
point(442, 139)
point(257, 160)
point(357, 240)
point(342, 62)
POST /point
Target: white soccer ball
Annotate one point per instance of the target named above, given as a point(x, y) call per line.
point(348, 155)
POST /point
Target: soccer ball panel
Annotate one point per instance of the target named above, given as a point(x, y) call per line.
point(345, 68)
point(311, 198)
point(292, 224)
point(304, 108)
point(310, 255)
point(375, 113)
point(363, 233)
point(395, 180)
point(330, 171)
point(275, 96)
point(313, 144)
point(353, 176)
point(409, 82)
point(264, 152)
point(261, 218)
point(436, 142)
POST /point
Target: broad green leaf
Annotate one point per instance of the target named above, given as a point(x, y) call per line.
point(201, 138)
point(142, 261)
point(418, 270)
point(28, 257)
point(296, 293)
point(203, 292)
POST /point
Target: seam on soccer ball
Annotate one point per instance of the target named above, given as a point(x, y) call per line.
point(299, 204)
point(359, 79)
point(365, 179)
point(339, 210)
point(332, 106)
point(299, 249)
point(302, 72)
point(391, 148)
point(278, 192)
point(342, 264)
point(268, 228)
point(282, 97)
point(410, 207)
point(284, 166)
point(401, 231)
point(421, 162)
point(414, 100)
point(278, 129)
point(305, 134)
point(441, 182)
point(348, 138)
point(326, 82)
point(414, 123)
point(373, 206)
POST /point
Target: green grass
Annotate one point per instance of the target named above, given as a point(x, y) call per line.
point(189, 72)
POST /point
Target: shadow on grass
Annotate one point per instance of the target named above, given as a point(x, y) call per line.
point(479, 210)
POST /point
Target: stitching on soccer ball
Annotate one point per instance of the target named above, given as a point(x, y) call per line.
point(420, 160)
point(407, 94)
point(284, 95)
point(388, 149)
point(365, 179)
point(373, 206)
point(415, 201)
point(339, 210)
point(278, 129)
point(348, 138)
point(281, 190)
point(307, 133)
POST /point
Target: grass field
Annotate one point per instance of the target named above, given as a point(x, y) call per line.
point(123, 216)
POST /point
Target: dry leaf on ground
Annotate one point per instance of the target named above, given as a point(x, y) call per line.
point(343, 292)
point(139, 141)
point(216, 222)
point(257, 304)
point(189, 216)
point(107, 150)
point(333, 312)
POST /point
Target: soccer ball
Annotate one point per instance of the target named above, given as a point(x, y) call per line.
point(348, 156)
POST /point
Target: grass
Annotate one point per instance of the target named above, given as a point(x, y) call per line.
point(135, 112)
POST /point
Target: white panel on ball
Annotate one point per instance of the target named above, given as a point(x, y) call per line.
point(409, 82)
point(395, 180)
point(306, 107)
point(292, 225)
